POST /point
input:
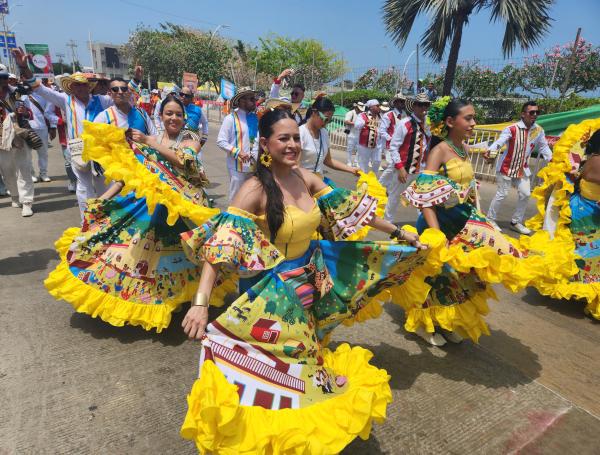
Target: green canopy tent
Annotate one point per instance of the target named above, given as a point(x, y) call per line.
point(555, 124)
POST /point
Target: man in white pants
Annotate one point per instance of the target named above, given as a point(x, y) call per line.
point(389, 121)
point(15, 154)
point(44, 123)
point(512, 168)
point(408, 151)
point(352, 137)
point(238, 137)
point(369, 144)
point(78, 104)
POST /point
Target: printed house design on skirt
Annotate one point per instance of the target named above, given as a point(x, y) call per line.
point(262, 378)
point(266, 331)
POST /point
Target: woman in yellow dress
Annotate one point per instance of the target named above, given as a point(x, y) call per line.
point(572, 212)
point(267, 382)
point(477, 253)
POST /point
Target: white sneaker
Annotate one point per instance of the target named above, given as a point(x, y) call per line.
point(494, 225)
point(452, 337)
point(71, 187)
point(518, 227)
point(27, 211)
point(34, 179)
point(45, 178)
point(15, 204)
point(434, 339)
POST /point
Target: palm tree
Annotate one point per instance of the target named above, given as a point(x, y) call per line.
point(526, 23)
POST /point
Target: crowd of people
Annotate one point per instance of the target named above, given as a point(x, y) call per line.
point(149, 241)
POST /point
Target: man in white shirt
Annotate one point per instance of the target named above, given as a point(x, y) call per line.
point(78, 104)
point(369, 144)
point(15, 153)
point(389, 121)
point(238, 137)
point(123, 114)
point(408, 151)
point(352, 135)
point(512, 168)
point(297, 94)
point(44, 123)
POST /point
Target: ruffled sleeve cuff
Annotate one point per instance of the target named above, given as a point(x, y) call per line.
point(431, 189)
point(344, 211)
point(233, 239)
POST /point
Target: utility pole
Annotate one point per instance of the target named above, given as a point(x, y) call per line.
point(91, 51)
point(73, 46)
point(417, 81)
point(60, 61)
point(563, 89)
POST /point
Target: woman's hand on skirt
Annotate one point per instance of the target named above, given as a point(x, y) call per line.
point(413, 239)
point(195, 322)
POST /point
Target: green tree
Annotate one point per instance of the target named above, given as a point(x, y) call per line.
point(170, 50)
point(313, 64)
point(474, 80)
point(542, 74)
point(526, 23)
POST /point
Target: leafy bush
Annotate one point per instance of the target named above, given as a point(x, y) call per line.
point(355, 96)
point(570, 103)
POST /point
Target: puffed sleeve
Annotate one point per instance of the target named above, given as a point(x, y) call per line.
point(431, 189)
point(344, 211)
point(232, 239)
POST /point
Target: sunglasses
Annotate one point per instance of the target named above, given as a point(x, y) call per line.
point(534, 112)
point(187, 95)
point(120, 88)
point(324, 117)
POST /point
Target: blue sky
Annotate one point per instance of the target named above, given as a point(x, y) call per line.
point(351, 27)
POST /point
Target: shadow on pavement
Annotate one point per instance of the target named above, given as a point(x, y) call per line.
point(358, 446)
point(27, 262)
point(466, 361)
point(55, 206)
point(171, 336)
point(572, 308)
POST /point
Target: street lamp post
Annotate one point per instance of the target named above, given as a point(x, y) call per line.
point(214, 32)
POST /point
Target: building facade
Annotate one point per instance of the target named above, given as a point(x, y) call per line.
point(110, 60)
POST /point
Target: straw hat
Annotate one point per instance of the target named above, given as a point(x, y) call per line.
point(420, 98)
point(360, 105)
point(277, 103)
point(66, 82)
point(243, 91)
point(385, 106)
point(399, 96)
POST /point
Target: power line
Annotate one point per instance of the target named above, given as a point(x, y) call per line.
point(73, 45)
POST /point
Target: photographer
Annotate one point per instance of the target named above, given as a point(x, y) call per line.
point(15, 152)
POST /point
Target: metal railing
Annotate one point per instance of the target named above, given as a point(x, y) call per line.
point(481, 139)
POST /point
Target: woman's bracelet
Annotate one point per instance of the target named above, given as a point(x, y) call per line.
point(200, 299)
point(398, 234)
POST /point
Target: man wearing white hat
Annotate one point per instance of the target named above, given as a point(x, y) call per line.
point(389, 121)
point(369, 144)
point(352, 132)
point(238, 137)
point(408, 151)
point(79, 104)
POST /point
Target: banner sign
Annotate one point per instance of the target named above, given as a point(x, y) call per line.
point(10, 38)
point(190, 80)
point(40, 63)
point(227, 89)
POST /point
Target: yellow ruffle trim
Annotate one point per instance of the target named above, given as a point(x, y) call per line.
point(549, 263)
point(554, 179)
point(61, 284)
point(218, 424)
point(106, 145)
point(375, 190)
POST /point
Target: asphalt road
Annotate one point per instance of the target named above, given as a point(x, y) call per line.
point(71, 384)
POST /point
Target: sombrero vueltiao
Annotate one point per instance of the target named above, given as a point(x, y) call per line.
point(76, 78)
point(420, 98)
point(244, 91)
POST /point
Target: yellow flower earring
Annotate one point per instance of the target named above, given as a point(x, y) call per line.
point(266, 159)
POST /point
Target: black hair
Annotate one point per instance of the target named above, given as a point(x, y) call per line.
point(261, 94)
point(528, 103)
point(170, 98)
point(299, 85)
point(275, 207)
point(593, 145)
point(453, 108)
point(321, 104)
point(118, 79)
